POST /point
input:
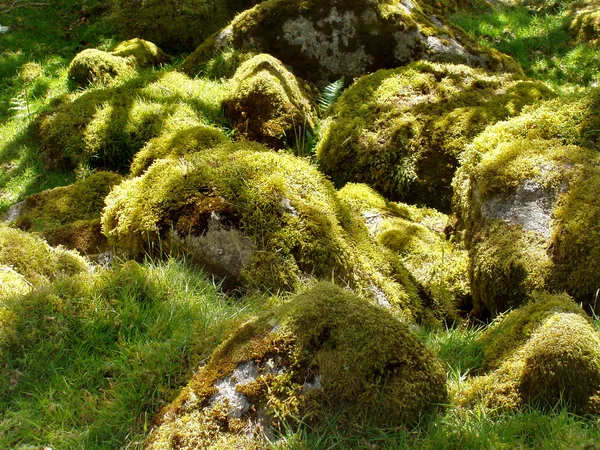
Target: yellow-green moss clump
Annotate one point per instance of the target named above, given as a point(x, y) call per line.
point(416, 235)
point(11, 283)
point(526, 200)
point(323, 40)
point(174, 25)
point(402, 131)
point(259, 218)
point(104, 128)
point(92, 65)
point(558, 365)
point(69, 215)
point(34, 259)
point(267, 104)
point(585, 21)
point(326, 350)
point(175, 145)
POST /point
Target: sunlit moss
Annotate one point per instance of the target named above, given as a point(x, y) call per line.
point(369, 366)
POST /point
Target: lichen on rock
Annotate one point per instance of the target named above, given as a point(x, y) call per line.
point(323, 41)
point(267, 103)
point(326, 350)
point(259, 218)
point(402, 131)
point(525, 197)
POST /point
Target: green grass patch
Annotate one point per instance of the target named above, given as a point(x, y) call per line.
point(88, 362)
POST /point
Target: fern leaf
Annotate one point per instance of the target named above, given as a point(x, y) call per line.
point(330, 94)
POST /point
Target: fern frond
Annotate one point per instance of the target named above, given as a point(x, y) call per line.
point(330, 94)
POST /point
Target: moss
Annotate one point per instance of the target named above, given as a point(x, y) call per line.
point(34, 259)
point(144, 53)
point(415, 235)
point(585, 21)
point(91, 66)
point(175, 145)
point(525, 199)
point(219, 64)
point(104, 128)
point(267, 104)
point(402, 131)
point(265, 220)
point(558, 366)
point(369, 366)
point(11, 283)
point(508, 333)
point(323, 41)
point(174, 25)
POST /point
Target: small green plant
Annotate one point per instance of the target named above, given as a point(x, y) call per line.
point(330, 94)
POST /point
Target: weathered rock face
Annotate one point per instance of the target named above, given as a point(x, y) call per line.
point(325, 40)
point(267, 104)
point(259, 218)
point(557, 366)
point(68, 216)
point(526, 197)
point(402, 131)
point(327, 350)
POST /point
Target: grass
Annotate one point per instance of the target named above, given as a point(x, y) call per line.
point(88, 362)
point(540, 42)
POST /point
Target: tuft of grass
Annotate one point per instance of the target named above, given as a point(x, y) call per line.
point(88, 362)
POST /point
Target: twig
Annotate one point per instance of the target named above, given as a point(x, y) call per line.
point(21, 4)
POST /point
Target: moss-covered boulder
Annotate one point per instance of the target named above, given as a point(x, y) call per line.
point(12, 283)
point(438, 266)
point(559, 365)
point(174, 25)
point(260, 219)
point(144, 53)
point(325, 40)
point(402, 131)
point(33, 259)
point(70, 215)
point(585, 21)
point(267, 104)
point(326, 350)
point(175, 145)
point(103, 128)
point(91, 66)
point(526, 199)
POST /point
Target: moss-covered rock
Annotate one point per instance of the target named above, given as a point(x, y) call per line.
point(91, 66)
point(416, 235)
point(508, 333)
point(34, 259)
point(261, 219)
point(104, 128)
point(11, 283)
point(526, 200)
point(402, 131)
point(585, 21)
point(69, 215)
point(326, 350)
point(144, 53)
point(559, 365)
point(175, 145)
point(174, 25)
point(267, 104)
point(325, 40)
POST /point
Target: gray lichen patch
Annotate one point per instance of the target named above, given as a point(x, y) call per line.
point(227, 389)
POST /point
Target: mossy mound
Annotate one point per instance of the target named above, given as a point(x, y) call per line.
point(267, 104)
point(326, 350)
point(104, 128)
point(259, 218)
point(91, 66)
point(144, 53)
point(508, 333)
point(174, 25)
point(585, 21)
point(34, 259)
point(12, 283)
point(438, 266)
point(70, 215)
point(325, 40)
point(559, 365)
point(402, 131)
point(175, 145)
point(527, 204)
